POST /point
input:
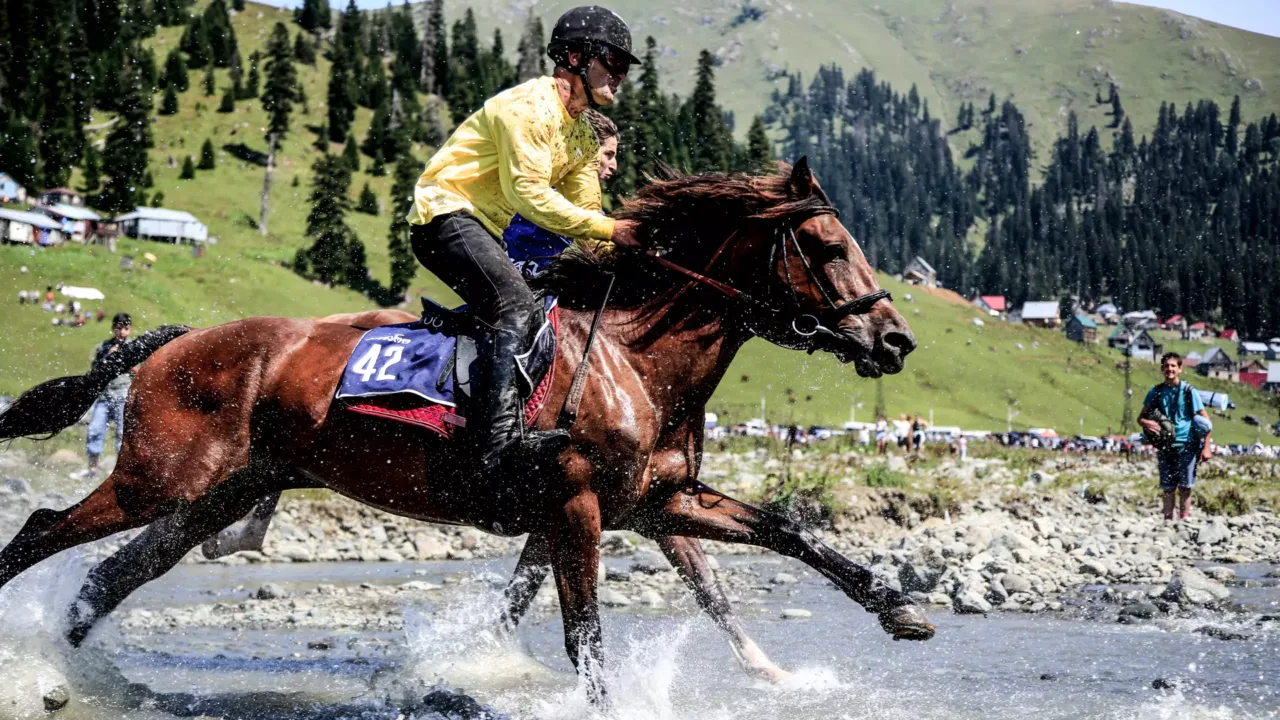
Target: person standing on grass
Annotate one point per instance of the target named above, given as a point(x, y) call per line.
point(1176, 424)
point(882, 435)
point(109, 407)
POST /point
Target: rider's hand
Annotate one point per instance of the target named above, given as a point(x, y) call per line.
point(1150, 425)
point(624, 233)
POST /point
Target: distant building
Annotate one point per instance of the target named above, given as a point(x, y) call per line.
point(1253, 372)
point(1273, 378)
point(10, 190)
point(1192, 359)
point(1177, 323)
point(1218, 364)
point(173, 226)
point(1138, 343)
point(991, 304)
point(1195, 331)
point(78, 223)
point(919, 272)
point(1229, 334)
point(1273, 349)
point(1082, 329)
point(1251, 348)
point(1041, 314)
point(62, 196)
point(1109, 313)
point(28, 228)
point(1141, 320)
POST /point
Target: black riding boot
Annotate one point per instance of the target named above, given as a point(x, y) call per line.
point(497, 410)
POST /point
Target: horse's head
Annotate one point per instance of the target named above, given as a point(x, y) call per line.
point(826, 292)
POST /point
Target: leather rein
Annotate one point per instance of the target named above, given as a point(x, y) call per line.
point(807, 327)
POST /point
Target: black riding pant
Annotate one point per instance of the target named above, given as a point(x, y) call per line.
point(462, 253)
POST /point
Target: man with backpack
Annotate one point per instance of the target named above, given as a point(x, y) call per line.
point(1175, 423)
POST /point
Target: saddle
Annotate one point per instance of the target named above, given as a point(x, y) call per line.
point(420, 372)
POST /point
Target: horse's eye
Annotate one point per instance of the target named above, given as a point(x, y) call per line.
point(834, 253)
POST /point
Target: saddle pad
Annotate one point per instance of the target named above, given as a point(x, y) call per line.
point(411, 372)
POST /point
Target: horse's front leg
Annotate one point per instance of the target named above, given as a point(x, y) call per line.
point(701, 512)
point(531, 570)
point(574, 541)
point(691, 563)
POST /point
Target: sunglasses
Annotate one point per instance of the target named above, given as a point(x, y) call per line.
point(615, 64)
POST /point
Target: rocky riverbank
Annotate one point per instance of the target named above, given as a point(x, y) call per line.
point(988, 534)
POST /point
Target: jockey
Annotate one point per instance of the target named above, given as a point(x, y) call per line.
point(528, 150)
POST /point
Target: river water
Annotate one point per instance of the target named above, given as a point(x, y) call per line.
point(665, 665)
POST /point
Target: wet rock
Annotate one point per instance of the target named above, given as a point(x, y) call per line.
point(430, 547)
point(649, 562)
point(1189, 586)
point(1048, 676)
point(388, 555)
point(652, 599)
point(294, 552)
point(1095, 567)
point(326, 644)
point(617, 545)
point(916, 576)
point(1015, 583)
point(617, 575)
point(784, 579)
point(56, 698)
point(1213, 533)
point(1222, 633)
point(970, 601)
point(1219, 573)
point(1139, 610)
point(65, 457)
point(457, 706)
point(609, 597)
point(1044, 526)
point(17, 486)
point(796, 614)
point(1274, 573)
point(1167, 683)
point(271, 591)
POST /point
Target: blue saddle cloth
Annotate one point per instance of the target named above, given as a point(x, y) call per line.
point(531, 248)
point(431, 357)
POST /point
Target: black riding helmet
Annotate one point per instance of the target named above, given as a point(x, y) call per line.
point(593, 31)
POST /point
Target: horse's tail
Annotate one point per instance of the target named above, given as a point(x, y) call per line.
point(52, 406)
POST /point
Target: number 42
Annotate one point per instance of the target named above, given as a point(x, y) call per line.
point(367, 365)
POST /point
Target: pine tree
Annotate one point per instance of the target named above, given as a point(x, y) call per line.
point(169, 104)
point(61, 133)
point(1117, 112)
point(351, 156)
point(532, 49)
point(304, 49)
point(228, 104)
point(1233, 128)
point(435, 51)
point(368, 202)
point(759, 148)
point(710, 140)
point(125, 157)
point(210, 83)
point(223, 48)
point(92, 170)
point(175, 72)
point(237, 5)
point(188, 169)
point(404, 266)
point(281, 89)
point(207, 159)
point(328, 257)
point(251, 87)
point(466, 67)
point(195, 43)
point(315, 15)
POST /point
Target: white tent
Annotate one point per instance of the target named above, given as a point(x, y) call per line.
point(163, 224)
point(83, 293)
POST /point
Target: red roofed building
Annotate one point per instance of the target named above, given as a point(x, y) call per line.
point(991, 304)
point(1194, 331)
point(1229, 334)
point(1177, 323)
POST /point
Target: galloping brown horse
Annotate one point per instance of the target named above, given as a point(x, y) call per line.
point(224, 416)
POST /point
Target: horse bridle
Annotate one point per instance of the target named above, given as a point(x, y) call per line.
point(807, 327)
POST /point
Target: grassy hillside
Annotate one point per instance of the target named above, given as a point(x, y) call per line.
point(1055, 382)
point(965, 375)
point(1049, 55)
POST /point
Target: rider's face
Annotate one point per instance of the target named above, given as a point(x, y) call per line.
point(604, 80)
point(608, 158)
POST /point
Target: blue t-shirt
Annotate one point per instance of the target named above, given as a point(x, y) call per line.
point(1172, 401)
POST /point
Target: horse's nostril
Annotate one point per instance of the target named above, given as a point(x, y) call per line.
point(901, 343)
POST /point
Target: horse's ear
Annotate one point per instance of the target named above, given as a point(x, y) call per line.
point(801, 178)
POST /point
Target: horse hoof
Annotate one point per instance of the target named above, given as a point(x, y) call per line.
point(907, 622)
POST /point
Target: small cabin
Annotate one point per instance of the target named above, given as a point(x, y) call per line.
point(1082, 329)
point(919, 272)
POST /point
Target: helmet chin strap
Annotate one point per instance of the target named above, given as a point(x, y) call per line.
point(581, 72)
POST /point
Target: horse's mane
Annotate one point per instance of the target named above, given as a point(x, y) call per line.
point(689, 216)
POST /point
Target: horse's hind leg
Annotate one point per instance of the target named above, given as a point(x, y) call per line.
point(161, 546)
point(246, 534)
point(49, 532)
point(690, 562)
point(703, 513)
